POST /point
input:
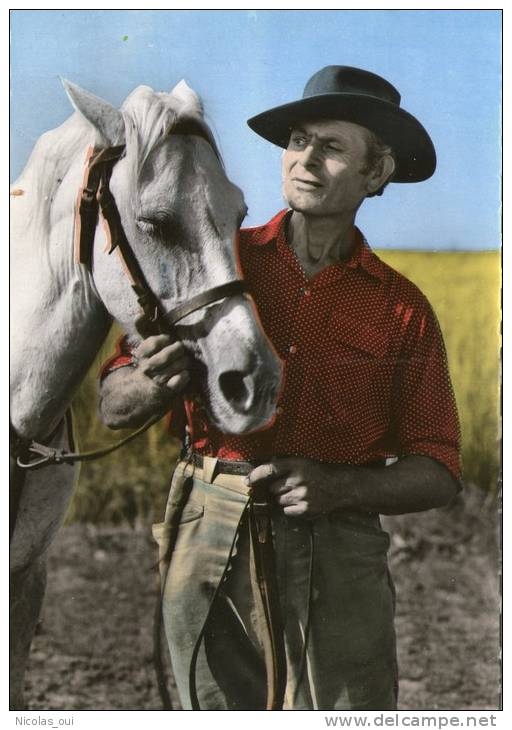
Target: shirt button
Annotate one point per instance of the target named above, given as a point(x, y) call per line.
point(292, 349)
point(279, 411)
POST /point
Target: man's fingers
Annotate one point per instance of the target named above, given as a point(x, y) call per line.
point(264, 473)
point(280, 486)
point(178, 382)
point(167, 357)
point(165, 368)
point(166, 362)
point(153, 344)
point(291, 496)
point(301, 509)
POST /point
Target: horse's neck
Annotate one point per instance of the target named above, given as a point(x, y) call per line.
point(58, 321)
point(50, 357)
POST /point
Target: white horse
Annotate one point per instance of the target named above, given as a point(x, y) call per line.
point(180, 215)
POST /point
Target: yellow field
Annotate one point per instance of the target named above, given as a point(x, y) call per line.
point(464, 289)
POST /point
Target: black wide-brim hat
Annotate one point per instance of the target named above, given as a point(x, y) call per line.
point(361, 97)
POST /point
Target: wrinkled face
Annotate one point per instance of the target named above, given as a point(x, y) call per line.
point(323, 168)
point(181, 215)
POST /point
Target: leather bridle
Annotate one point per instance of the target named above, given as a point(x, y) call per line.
point(95, 197)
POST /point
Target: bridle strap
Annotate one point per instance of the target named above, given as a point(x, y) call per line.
point(231, 289)
point(87, 204)
point(95, 196)
point(117, 239)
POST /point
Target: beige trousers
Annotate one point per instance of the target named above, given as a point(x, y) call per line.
point(336, 596)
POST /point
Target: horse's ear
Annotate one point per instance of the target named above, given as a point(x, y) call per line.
point(104, 117)
point(188, 97)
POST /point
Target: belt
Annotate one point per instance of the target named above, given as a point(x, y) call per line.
point(235, 468)
point(242, 468)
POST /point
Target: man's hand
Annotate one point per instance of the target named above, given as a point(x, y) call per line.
point(131, 395)
point(164, 361)
point(309, 488)
point(303, 487)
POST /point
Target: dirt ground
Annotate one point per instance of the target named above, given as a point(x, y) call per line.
point(93, 649)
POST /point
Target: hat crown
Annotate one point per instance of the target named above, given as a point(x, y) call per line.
point(350, 80)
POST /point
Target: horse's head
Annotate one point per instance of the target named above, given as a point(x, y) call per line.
point(181, 214)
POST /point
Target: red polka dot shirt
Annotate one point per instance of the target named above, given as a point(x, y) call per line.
point(366, 375)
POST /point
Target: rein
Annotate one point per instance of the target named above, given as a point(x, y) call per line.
point(95, 198)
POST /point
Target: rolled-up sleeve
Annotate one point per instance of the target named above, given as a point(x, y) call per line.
point(122, 357)
point(425, 418)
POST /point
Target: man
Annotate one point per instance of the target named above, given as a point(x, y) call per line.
point(365, 380)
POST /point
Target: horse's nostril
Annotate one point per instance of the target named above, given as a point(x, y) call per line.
point(236, 388)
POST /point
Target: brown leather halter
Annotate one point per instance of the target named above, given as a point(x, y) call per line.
point(95, 197)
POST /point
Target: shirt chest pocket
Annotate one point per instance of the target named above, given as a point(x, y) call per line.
point(355, 370)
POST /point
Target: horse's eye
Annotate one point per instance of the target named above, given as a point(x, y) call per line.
point(159, 223)
point(146, 225)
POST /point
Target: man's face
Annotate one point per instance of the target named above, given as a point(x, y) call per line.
point(323, 168)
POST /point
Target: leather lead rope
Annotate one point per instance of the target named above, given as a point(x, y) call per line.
point(266, 594)
point(33, 455)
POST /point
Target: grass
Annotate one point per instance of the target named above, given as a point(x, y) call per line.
point(464, 289)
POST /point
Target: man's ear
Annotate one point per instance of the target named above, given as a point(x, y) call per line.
point(380, 174)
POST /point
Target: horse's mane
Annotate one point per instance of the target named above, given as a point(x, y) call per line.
point(46, 167)
point(149, 117)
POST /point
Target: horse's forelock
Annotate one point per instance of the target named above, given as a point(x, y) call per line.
point(151, 116)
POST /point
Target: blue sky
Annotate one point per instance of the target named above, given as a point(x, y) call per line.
point(446, 64)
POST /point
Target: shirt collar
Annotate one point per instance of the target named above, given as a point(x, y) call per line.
point(364, 258)
point(362, 255)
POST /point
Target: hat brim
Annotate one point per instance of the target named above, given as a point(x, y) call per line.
point(413, 148)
